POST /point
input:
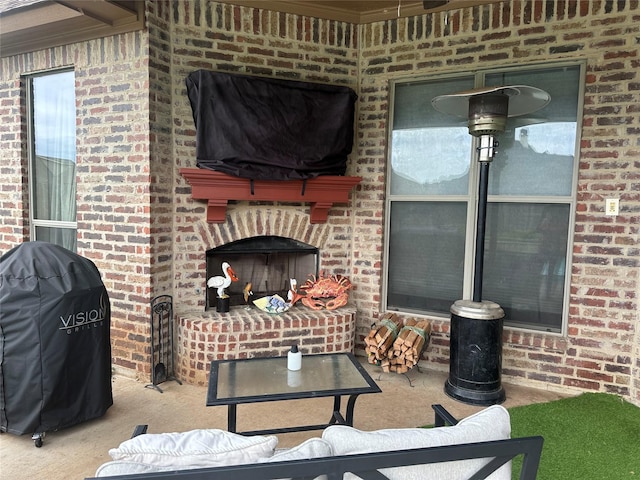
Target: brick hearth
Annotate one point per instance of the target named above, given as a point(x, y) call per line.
point(242, 333)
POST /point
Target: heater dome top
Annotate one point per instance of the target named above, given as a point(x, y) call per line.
point(523, 99)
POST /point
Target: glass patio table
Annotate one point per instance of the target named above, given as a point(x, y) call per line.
point(232, 382)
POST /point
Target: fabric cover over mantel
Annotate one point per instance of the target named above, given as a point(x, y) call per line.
point(270, 129)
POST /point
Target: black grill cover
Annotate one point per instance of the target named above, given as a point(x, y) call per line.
point(270, 129)
point(55, 348)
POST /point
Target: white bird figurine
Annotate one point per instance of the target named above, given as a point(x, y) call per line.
point(221, 282)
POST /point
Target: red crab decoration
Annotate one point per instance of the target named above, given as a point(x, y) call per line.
point(324, 292)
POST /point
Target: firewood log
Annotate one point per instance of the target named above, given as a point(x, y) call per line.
point(409, 345)
point(397, 346)
point(380, 339)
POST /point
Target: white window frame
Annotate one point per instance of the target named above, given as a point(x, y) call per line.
point(34, 222)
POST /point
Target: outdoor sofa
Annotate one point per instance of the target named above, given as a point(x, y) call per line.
point(475, 448)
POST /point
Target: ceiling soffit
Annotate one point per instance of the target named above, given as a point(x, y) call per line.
point(359, 12)
point(29, 26)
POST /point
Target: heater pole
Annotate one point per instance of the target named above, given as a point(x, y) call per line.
point(481, 223)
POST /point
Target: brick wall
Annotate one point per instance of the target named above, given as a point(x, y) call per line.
point(161, 171)
point(600, 350)
point(113, 182)
point(241, 333)
point(13, 168)
point(113, 175)
point(139, 224)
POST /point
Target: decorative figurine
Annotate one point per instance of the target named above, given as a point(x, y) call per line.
point(220, 283)
point(272, 304)
point(247, 293)
point(328, 292)
point(293, 290)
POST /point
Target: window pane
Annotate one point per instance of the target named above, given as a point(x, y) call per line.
point(431, 162)
point(430, 151)
point(426, 255)
point(525, 262)
point(65, 237)
point(536, 153)
point(54, 131)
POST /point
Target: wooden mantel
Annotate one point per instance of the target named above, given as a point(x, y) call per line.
point(218, 188)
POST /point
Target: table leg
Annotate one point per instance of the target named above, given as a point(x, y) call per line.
point(231, 417)
point(351, 403)
point(336, 416)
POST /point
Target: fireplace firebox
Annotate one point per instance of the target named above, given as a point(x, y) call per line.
point(267, 262)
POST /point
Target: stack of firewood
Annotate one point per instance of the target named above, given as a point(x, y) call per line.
point(397, 346)
point(408, 347)
point(380, 339)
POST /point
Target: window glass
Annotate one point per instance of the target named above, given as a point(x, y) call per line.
point(536, 152)
point(525, 261)
point(53, 157)
point(426, 255)
point(430, 154)
point(65, 237)
point(432, 200)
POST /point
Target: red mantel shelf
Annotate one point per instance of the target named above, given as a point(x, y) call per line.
point(218, 188)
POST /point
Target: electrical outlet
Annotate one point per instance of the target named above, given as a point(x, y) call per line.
point(611, 206)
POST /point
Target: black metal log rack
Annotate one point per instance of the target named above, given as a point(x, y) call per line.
point(162, 333)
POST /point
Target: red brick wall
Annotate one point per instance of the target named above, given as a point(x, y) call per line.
point(113, 182)
point(161, 171)
point(13, 168)
point(138, 222)
point(600, 350)
point(201, 337)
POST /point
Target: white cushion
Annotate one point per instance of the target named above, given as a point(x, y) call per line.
point(312, 448)
point(492, 423)
point(195, 448)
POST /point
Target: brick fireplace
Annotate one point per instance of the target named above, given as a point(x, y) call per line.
point(271, 143)
point(244, 333)
point(203, 334)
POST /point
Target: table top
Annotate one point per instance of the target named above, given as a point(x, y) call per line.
point(268, 379)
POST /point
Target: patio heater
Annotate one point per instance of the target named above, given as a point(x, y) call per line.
point(475, 360)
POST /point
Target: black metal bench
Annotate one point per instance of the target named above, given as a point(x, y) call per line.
point(367, 466)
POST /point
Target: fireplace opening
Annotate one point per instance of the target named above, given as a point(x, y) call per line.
point(267, 262)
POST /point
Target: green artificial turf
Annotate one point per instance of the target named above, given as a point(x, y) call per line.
point(589, 437)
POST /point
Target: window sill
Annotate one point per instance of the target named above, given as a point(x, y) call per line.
point(219, 188)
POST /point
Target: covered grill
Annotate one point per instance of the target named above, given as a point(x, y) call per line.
point(55, 348)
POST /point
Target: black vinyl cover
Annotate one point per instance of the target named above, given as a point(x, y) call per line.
point(55, 348)
point(270, 129)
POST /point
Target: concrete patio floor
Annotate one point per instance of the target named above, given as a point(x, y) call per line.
point(76, 452)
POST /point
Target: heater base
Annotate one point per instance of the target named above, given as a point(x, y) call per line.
point(475, 353)
point(474, 397)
